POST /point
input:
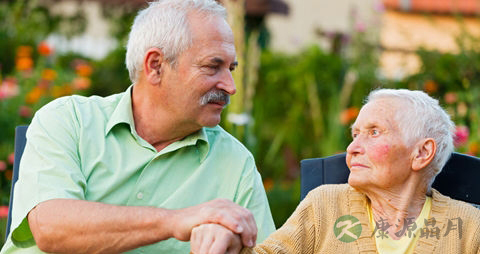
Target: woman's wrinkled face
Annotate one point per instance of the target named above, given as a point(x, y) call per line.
point(378, 156)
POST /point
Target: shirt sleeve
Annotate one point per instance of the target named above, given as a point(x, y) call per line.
point(297, 235)
point(50, 166)
point(251, 195)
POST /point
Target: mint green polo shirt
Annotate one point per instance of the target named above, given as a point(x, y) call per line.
point(88, 149)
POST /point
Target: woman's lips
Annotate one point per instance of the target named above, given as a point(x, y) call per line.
point(358, 165)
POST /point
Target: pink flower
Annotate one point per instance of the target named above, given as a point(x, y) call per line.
point(450, 97)
point(379, 7)
point(8, 88)
point(3, 166)
point(11, 158)
point(3, 211)
point(461, 135)
point(360, 27)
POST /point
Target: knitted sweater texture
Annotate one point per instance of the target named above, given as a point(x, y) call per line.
point(310, 229)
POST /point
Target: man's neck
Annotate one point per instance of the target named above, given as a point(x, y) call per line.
point(156, 126)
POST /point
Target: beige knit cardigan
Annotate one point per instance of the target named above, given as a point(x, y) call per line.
point(310, 228)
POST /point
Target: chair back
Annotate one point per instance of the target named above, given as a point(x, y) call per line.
point(458, 179)
point(20, 141)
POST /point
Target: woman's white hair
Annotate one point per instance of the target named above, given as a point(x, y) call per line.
point(421, 116)
point(164, 25)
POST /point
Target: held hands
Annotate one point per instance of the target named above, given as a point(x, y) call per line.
point(231, 216)
point(214, 239)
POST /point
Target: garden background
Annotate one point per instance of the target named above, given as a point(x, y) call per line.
point(289, 106)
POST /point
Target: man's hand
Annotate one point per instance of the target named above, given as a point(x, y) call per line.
point(237, 219)
point(214, 239)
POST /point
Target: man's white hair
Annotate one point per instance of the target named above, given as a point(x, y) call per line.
point(421, 116)
point(164, 25)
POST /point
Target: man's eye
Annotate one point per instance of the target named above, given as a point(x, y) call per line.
point(374, 132)
point(354, 135)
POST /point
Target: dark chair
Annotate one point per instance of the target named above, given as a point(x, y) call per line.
point(20, 141)
point(458, 179)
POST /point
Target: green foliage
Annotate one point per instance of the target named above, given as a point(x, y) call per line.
point(454, 79)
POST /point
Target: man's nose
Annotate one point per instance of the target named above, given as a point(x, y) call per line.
point(227, 83)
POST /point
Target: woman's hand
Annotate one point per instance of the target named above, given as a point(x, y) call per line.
point(214, 239)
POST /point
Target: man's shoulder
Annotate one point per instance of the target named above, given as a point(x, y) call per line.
point(220, 138)
point(80, 105)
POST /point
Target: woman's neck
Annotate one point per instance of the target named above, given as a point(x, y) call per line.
point(396, 206)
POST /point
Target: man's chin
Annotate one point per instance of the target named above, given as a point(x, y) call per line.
point(211, 122)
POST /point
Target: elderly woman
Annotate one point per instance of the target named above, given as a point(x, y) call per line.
point(401, 141)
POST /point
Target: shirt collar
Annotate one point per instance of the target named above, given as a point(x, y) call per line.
point(199, 139)
point(123, 114)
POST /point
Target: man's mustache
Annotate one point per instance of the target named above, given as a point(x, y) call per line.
point(215, 95)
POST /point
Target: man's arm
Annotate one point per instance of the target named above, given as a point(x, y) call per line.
point(77, 226)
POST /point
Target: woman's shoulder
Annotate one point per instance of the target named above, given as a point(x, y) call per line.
point(330, 190)
point(456, 208)
point(330, 194)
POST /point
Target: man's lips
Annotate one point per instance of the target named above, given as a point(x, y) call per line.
point(220, 103)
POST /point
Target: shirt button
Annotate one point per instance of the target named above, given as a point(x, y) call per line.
point(140, 195)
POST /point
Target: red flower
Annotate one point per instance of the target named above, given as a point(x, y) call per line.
point(44, 49)
point(11, 158)
point(3, 211)
point(25, 111)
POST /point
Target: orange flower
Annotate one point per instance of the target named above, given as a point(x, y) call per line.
point(84, 70)
point(430, 86)
point(268, 184)
point(349, 115)
point(34, 95)
point(81, 83)
point(24, 51)
point(462, 109)
point(9, 174)
point(44, 49)
point(24, 63)
point(473, 148)
point(59, 91)
point(49, 74)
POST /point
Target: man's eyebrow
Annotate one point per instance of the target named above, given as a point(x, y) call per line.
point(220, 61)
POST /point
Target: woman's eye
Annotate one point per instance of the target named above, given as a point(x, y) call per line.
point(374, 132)
point(354, 135)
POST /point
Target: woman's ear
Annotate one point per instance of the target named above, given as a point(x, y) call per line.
point(424, 153)
point(152, 65)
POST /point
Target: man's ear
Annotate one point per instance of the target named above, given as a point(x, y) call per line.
point(152, 65)
point(424, 153)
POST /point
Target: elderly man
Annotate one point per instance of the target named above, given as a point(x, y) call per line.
point(401, 141)
point(140, 168)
